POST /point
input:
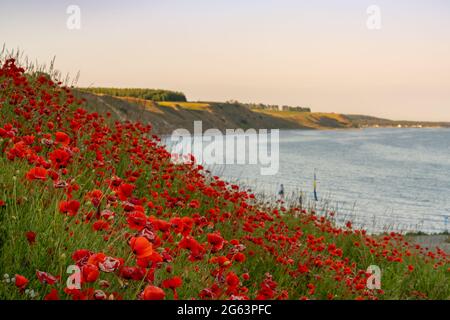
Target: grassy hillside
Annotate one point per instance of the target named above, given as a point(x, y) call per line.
point(312, 120)
point(168, 116)
point(80, 190)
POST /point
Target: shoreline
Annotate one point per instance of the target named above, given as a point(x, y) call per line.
point(165, 117)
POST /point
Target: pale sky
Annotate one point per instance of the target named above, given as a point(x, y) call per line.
point(318, 54)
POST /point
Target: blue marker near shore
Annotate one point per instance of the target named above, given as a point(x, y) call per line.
point(315, 186)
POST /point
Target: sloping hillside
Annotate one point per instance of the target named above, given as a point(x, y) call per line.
point(168, 116)
point(312, 120)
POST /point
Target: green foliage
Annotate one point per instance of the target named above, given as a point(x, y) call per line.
point(147, 94)
point(275, 107)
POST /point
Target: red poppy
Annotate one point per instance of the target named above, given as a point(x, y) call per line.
point(95, 196)
point(232, 279)
point(141, 247)
point(62, 138)
point(134, 273)
point(302, 268)
point(173, 284)
point(197, 250)
point(110, 264)
point(37, 173)
point(195, 204)
point(21, 281)
point(125, 191)
point(70, 207)
point(239, 257)
point(99, 295)
point(52, 295)
point(90, 273)
point(161, 225)
point(216, 241)
point(81, 256)
point(59, 158)
point(46, 278)
point(96, 258)
point(107, 214)
point(153, 293)
point(136, 220)
point(31, 237)
point(100, 225)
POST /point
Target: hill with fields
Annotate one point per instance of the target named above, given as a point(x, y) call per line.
point(166, 116)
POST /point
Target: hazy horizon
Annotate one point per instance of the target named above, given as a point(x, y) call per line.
point(317, 54)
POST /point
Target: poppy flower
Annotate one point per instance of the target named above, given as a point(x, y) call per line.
point(232, 280)
point(21, 281)
point(216, 241)
point(95, 196)
point(136, 220)
point(46, 278)
point(37, 173)
point(99, 295)
point(196, 249)
point(214, 292)
point(221, 261)
point(110, 264)
point(239, 257)
point(150, 235)
point(134, 273)
point(81, 256)
point(141, 247)
point(31, 237)
point(125, 191)
point(153, 293)
point(90, 273)
point(62, 138)
point(70, 207)
point(302, 268)
point(107, 214)
point(312, 288)
point(195, 204)
point(100, 225)
point(96, 258)
point(161, 225)
point(173, 284)
point(52, 295)
point(59, 158)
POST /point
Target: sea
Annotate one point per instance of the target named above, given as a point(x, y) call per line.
point(380, 179)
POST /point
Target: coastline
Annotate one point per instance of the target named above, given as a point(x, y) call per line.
point(168, 116)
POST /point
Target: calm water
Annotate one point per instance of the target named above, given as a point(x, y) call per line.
point(381, 179)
